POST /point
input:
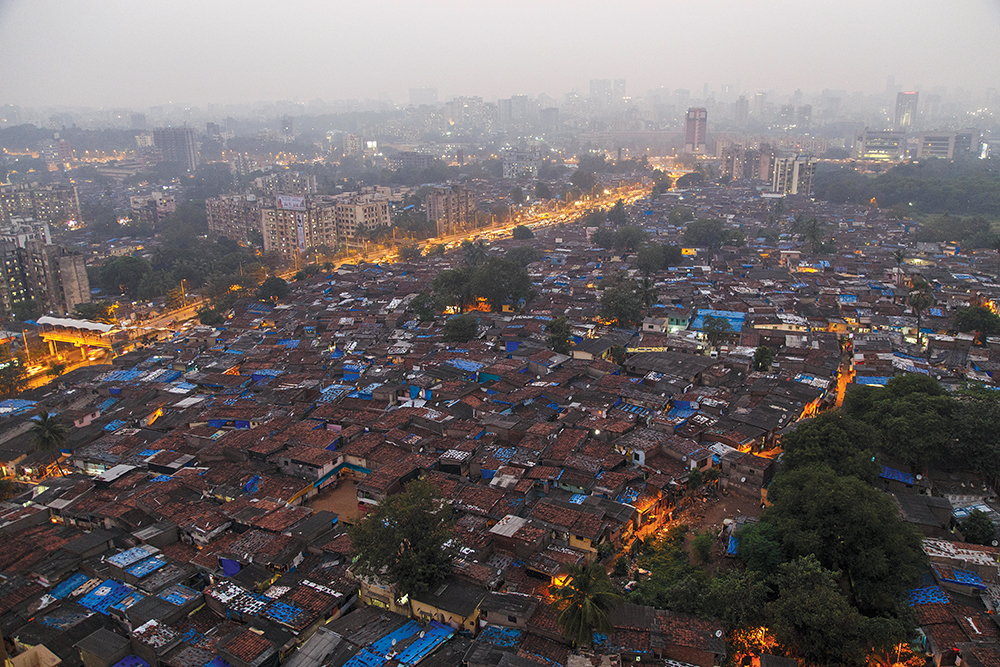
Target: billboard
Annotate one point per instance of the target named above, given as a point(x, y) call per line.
point(287, 203)
point(300, 231)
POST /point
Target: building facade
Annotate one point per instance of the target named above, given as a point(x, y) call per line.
point(236, 217)
point(906, 109)
point(151, 209)
point(794, 175)
point(520, 163)
point(47, 203)
point(696, 131)
point(361, 213)
point(451, 208)
point(178, 144)
point(290, 225)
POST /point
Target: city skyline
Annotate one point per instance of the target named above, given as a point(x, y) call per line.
point(110, 53)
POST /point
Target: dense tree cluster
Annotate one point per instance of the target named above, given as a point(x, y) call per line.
point(497, 280)
point(621, 239)
point(711, 234)
point(962, 187)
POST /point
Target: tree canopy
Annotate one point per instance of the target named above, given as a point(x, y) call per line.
point(272, 289)
point(460, 329)
point(711, 234)
point(621, 304)
point(402, 540)
point(558, 331)
point(584, 602)
point(978, 319)
point(522, 233)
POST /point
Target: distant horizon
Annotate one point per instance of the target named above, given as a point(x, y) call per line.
point(117, 54)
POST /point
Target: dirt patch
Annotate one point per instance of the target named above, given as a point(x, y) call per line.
point(342, 500)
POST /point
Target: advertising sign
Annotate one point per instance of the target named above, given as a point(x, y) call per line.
point(288, 203)
point(300, 231)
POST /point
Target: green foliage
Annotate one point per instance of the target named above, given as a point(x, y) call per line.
point(48, 434)
point(679, 215)
point(716, 329)
point(474, 253)
point(559, 333)
point(13, 374)
point(27, 310)
point(499, 281)
point(542, 191)
point(523, 233)
point(845, 444)
point(978, 319)
point(425, 306)
point(849, 526)
point(621, 305)
point(409, 252)
point(695, 478)
point(402, 541)
point(617, 215)
point(517, 195)
point(584, 603)
point(812, 615)
point(8, 486)
point(711, 234)
point(963, 187)
point(96, 311)
point(436, 250)
point(621, 567)
point(978, 528)
point(122, 275)
point(460, 329)
point(583, 179)
point(618, 355)
point(211, 317)
point(272, 289)
point(762, 358)
point(523, 255)
point(760, 549)
point(918, 423)
point(701, 544)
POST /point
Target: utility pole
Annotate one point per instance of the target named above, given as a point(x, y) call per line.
point(27, 352)
point(184, 299)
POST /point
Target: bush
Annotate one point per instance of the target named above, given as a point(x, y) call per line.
point(621, 568)
point(702, 545)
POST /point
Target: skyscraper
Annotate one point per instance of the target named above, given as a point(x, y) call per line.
point(697, 130)
point(906, 109)
point(794, 175)
point(742, 112)
point(177, 145)
point(619, 91)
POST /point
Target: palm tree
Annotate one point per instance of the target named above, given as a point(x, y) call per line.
point(899, 255)
point(584, 602)
point(920, 298)
point(475, 252)
point(49, 435)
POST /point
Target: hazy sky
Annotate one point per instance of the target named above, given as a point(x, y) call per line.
point(144, 52)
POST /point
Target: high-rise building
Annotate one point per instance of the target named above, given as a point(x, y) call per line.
point(234, 216)
point(618, 91)
point(178, 145)
point(138, 121)
point(906, 109)
point(519, 107)
point(68, 284)
point(794, 175)
point(353, 145)
point(362, 212)
point(759, 106)
point(742, 112)
point(601, 92)
point(520, 163)
point(47, 203)
point(804, 115)
point(291, 224)
point(451, 208)
point(151, 209)
point(697, 130)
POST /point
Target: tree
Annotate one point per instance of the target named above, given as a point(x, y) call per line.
point(542, 191)
point(977, 319)
point(584, 603)
point(995, 244)
point(48, 435)
point(409, 252)
point(501, 282)
point(474, 252)
point(702, 545)
point(96, 311)
point(403, 542)
point(523, 233)
point(629, 238)
point(426, 306)
point(813, 617)
point(604, 238)
point(618, 355)
point(272, 289)
point(759, 548)
point(122, 275)
point(716, 329)
point(621, 305)
point(13, 374)
point(211, 317)
point(649, 258)
point(8, 486)
point(617, 215)
point(559, 332)
point(762, 358)
point(583, 179)
point(436, 250)
point(847, 445)
point(900, 256)
point(460, 329)
point(523, 255)
point(710, 234)
point(978, 528)
point(850, 527)
point(517, 195)
point(921, 296)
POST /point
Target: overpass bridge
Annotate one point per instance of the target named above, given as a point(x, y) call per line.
point(82, 333)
